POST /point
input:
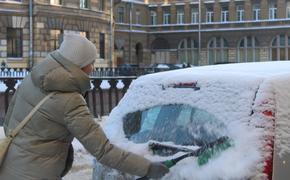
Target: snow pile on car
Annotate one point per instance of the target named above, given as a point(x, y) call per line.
point(224, 93)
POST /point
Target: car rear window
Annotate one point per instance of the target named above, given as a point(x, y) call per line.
point(178, 123)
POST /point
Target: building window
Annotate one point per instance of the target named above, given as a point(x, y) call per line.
point(121, 14)
point(56, 2)
point(153, 18)
point(102, 5)
point(225, 14)
point(218, 51)
point(188, 51)
point(288, 10)
point(248, 50)
point(240, 13)
point(194, 15)
point(84, 4)
point(14, 42)
point(272, 11)
point(209, 15)
point(166, 17)
point(138, 17)
point(180, 16)
point(280, 48)
point(102, 45)
point(56, 38)
point(256, 12)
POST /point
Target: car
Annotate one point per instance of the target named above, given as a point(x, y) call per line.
point(128, 69)
point(183, 113)
point(158, 67)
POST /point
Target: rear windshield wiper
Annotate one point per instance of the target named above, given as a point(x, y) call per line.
point(157, 147)
point(207, 150)
point(204, 153)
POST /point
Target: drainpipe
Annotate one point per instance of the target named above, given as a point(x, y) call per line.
point(199, 33)
point(30, 62)
point(112, 35)
point(130, 33)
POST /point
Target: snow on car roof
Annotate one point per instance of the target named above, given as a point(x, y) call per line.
point(226, 91)
point(258, 69)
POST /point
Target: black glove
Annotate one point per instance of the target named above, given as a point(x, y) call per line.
point(157, 170)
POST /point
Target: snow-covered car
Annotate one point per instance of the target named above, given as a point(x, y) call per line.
point(168, 114)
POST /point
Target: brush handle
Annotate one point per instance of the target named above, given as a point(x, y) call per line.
point(196, 153)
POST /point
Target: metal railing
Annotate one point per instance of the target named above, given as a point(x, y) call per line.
point(98, 72)
point(101, 100)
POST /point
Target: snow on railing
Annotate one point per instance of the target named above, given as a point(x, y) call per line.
point(13, 72)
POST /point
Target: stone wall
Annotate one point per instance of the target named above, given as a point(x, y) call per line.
point(48, 18)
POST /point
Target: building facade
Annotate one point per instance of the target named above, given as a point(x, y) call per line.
point(30, 29)
point(201, 32)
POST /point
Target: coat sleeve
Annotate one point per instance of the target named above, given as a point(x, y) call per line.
point(81, 124)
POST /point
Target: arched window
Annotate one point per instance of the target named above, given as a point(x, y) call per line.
point(248, 49)
point(160, 51)
point(218, 51)
point(188, 51)
point(280, 48)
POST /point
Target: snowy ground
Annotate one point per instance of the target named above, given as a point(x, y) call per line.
point(82, 165)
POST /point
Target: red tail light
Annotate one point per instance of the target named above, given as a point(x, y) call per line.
point(268, 168)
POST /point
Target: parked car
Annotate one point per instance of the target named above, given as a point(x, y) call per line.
point(167, 114)
point(158, 67)
point(128, 69)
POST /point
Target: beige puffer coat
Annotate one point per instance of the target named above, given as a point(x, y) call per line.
point(40, 149)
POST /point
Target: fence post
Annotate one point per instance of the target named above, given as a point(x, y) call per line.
point(126, 83)
point(10, 83)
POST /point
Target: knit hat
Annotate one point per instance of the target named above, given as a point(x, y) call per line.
point(77, 49)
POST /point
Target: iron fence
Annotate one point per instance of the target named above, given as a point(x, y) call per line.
point(101, 100)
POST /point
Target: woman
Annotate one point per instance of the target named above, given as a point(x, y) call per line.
point(40, 150)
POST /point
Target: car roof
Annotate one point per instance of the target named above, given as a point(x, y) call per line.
point(259, 70)
point(256, 68)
